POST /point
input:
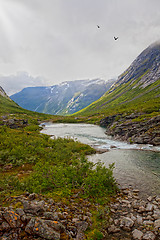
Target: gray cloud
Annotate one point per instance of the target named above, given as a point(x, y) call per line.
point(59, 39)
point(14, 83)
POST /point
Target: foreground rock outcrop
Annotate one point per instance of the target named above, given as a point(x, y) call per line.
point(43, 219)
point(127, 217)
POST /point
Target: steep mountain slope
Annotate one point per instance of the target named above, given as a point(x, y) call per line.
point(62, 99)
point(2, 93)
point(135, 97)
point(6, 104)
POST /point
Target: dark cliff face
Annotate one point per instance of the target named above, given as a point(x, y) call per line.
point(146, 66)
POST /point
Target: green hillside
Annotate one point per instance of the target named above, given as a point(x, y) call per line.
point(126, 99)
point(8, 106)
point(130, 110)
point(137, 90)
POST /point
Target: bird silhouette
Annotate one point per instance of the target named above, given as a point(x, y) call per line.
point(98, 26)
point(115, 38)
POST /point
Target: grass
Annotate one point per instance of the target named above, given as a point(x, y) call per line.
point(40, 164)
point(124, 100)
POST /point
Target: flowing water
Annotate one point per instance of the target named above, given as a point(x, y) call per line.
point(136, 165)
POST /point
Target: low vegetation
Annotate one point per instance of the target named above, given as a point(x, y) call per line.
point(125, 100)
point(57, 168)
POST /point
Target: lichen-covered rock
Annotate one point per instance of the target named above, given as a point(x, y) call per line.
point(12, 218)
point(44, 228)
point(35, 208)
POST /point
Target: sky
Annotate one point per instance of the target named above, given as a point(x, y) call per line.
point(43, 43)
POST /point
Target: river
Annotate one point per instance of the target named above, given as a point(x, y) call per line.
point(136, 166)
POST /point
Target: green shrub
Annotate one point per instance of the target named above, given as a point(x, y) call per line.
point(80, 173)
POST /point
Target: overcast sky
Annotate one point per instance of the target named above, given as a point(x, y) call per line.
point(58, 40)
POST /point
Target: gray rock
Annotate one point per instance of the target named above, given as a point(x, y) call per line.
point(149, 236)
point(150, 198)
point(139, 220)
point(4, 227)
point(157, 224)
point(44, 228)
point(126, 223)
point(148, 223)
point(156, 214)
point(113, 229)
point(51, 216)
point(81, 227)
point(12, 218)
point(137, 235)
point(149, 207)
point(34, 208)
point(32, 196)
point(20, 212)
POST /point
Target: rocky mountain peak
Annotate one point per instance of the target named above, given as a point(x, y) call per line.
point(145, 68)
point(2, 93)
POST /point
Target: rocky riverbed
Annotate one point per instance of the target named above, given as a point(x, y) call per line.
point(31, 216)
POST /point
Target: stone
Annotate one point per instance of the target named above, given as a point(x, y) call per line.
point(149, 207)
point(125, 201)
point(12, 218)
point(113, 229)
point(126, 223)
point(32, 196)
point(139, 220)
point(51, 216)
point(20, 212)
point(81, 227)
point(157, 224)
point(149, 236)
point(137, 235)
point(44, 228)
point(34, 208)
point(156, 214)
point(150, 198)
point(148, 223)
point(4, 227)
point(136, 190)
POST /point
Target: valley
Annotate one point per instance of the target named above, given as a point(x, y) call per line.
point(57, 185)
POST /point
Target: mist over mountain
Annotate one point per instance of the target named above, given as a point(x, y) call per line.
point(65, 98)
point(16, 82)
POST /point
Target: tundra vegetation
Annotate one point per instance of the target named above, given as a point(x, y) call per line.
point(56, 168)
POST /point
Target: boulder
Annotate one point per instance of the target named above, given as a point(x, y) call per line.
point(137, 235)
point(126, 223)
point(46, 229)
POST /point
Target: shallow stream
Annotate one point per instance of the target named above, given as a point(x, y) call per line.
point(136, 165)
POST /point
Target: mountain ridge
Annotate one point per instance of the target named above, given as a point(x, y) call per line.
point(64, 98)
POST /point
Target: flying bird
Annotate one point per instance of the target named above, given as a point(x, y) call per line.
point(98, 26)
point(115, 38)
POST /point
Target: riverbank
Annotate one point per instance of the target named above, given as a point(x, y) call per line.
point(134, 128)
point(34, 162)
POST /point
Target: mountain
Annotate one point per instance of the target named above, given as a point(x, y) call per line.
point(130, 110)
point(6, 104)
point(63, 99)
point(3, 93)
